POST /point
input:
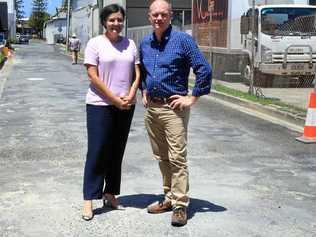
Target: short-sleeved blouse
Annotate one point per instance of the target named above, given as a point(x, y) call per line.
point(115, 62)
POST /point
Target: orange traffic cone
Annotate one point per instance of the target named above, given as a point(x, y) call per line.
point(309, 135)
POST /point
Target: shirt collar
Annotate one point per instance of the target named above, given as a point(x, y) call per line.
point(165, 35)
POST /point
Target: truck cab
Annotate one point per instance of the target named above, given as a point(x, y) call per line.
point(284, 39)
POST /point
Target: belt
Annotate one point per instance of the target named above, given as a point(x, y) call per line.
point(160, 100)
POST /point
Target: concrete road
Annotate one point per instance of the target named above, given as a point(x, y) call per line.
point(248, 177)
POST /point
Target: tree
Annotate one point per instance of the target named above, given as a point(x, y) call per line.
point(18, 5)
point(64, 5)
point(39, 16)
point(62, 8)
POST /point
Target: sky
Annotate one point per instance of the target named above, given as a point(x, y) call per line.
point(51, 6)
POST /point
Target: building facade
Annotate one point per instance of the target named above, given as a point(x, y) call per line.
point(11, 19)
point(56, 28)
point(85, 22)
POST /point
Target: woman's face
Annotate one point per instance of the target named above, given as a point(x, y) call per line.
point(115, 23)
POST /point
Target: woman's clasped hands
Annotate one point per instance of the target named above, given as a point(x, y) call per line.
point(124, 102)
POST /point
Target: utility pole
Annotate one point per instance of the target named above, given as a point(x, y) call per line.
point(68, 25)
point(251, 88)
point(100, 5)
point(211, 8)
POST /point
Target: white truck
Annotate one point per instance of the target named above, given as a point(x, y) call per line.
point(284, 42)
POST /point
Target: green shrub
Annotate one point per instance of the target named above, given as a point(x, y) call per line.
point(2, 57)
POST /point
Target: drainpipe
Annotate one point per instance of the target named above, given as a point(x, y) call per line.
point(68, 25)
point(100, 6)
point(251, 87)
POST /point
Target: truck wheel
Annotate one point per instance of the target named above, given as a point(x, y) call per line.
point(247, 74)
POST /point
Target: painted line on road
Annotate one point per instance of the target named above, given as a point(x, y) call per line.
point(35, 79)
point(257, 114)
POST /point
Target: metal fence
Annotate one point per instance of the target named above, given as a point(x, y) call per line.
point(138, 33)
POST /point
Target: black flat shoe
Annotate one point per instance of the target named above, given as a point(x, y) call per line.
point(87, 218)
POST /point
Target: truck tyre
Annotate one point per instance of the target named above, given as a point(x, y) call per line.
point(247, 74)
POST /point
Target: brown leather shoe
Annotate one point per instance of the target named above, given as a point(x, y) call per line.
point(179, 216)
point(159, 207)
point(109, 200)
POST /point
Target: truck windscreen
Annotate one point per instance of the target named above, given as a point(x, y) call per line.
point(288, 21)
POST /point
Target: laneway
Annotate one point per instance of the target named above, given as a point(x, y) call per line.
point(248, 177)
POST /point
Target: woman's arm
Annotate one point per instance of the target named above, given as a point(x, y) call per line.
point(102, 88)
point(135, 84)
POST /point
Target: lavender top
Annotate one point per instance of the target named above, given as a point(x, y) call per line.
point(115, 62)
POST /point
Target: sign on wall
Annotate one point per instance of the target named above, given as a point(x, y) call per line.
point(209, 22)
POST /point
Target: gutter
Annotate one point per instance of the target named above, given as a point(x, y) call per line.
point(283, 118)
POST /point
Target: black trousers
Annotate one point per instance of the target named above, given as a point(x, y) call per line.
point(108, 129)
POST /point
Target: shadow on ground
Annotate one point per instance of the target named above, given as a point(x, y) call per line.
point(143, 200)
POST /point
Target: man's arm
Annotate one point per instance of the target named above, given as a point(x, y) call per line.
point(201, 69)
point(142, 85)
point(200, 66)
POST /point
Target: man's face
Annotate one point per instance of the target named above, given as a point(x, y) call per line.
point(160, 15)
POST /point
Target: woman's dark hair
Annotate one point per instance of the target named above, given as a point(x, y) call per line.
point(108, 10)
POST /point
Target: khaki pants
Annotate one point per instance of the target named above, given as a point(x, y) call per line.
point(167, 130)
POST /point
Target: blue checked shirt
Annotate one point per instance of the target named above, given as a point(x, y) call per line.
point(166, 65)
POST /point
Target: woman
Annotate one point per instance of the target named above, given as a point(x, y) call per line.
point(113, 70)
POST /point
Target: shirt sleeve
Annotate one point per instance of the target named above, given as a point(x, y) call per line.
point(91, 55)
point(135, 52)
point(200, 66)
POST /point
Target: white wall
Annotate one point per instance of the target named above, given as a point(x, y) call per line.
point(76, 4)
point(52, 29)
point(121, 2)
point(81, 25)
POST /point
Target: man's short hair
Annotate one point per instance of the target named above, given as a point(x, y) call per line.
point(167, 1)
point(152, 1)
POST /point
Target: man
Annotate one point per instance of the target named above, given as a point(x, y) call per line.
point(166, 57)
point(74, 46)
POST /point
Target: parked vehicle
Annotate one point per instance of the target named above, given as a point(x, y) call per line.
point(17, 37)
point(284, 41)
point(2, 38)
point(60, 39)
point(23, 39)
